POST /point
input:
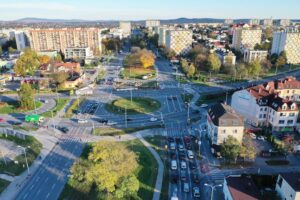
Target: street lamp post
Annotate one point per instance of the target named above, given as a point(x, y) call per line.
point(3, 158)
point(188, 113)
point(24, 149)
point(126, 116)
point(162, 118)
point(212, 189)
point(34, 105)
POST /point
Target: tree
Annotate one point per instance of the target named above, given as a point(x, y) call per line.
point(28, 63)
point(269, 33)
point(169, 53)
point(58, 58)
point(44, 59)
point(254, 68)
point(274, 58)
point(1, 51)
point(230, 148)
point(112, 169)
point(147, 58)
point(241, 70)
point(60, 77)
point(191, 70)
point(154, 39)
point(26, 95)
point(213, 62)
point(248, 148)
point(11, 50)
point(200, 60)
point(282, 59)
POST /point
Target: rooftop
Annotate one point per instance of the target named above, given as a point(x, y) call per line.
point(293, 179)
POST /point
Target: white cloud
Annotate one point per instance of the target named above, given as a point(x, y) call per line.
point(38, 6)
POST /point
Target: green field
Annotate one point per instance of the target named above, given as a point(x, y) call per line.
point(3, 184)
point(146, 174)
point(137, 72)
point(14, 107)
point(139, 105)
point(60, 103)
point(111, 131)
point(33, 149)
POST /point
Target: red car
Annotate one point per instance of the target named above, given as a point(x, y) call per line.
point(186, 139)
point(2, 120)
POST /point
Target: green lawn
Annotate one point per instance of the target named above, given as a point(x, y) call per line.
point(137, 73)
point(139, 105)
point(35, 148)
point(111, 131)
point(14, 107)
point(157, 143)
point(3, 184)
point(60, 103)
point(187, 97)
point(146, 174)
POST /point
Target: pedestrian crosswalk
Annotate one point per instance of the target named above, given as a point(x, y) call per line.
point(217, 177)
point(76, 134)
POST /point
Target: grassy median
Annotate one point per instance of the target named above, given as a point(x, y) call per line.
point(60, 103)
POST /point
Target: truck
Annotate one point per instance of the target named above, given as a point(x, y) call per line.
point(34, 118)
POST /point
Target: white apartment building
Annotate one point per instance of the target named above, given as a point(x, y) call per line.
point(246, 37)
point(288, 186)
point(266, 22)
point(288, 41)
point(223, 121)
point(252, 55)
point(152, 23)
point(179, 41)
point(78, 52)
point(283, 22)
point(126, 27)
point(162, 34)
point(20, 40)
point(269, 104)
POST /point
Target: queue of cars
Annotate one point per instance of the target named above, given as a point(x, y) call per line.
point(183, 166)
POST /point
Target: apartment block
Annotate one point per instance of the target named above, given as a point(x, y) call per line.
point(288, 41)
point(60, 39)
point(272, 104)
point(252, 55)
point(126, 27)
point(162, 35)
point(266, 22)
point(179, 41)
point(228, 21)
point(21, 40)
point(152, 23)
point(254, 21)
point(246, 37)
point(226, 57)
point(283, 22)
point(81, 53)
point(223, 121)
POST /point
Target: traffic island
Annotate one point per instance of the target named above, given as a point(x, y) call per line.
point(136, 105)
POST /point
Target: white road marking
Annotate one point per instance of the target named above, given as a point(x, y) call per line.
point(168, 104)
point(48, 195)
point(46, 180)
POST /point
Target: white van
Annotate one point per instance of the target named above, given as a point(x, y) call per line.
point(173, 165)
point(190, 154)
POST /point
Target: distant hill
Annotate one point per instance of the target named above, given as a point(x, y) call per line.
point(41, 20)
point(191, 20)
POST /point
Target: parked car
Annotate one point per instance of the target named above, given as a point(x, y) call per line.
point(187, 139)
point(204, 106)
point(195, 178)
point(103, 121)
point(172, 146)
point(174, 178)
point(173, 165)
point(186, 187)
point(260, 138)
point(153, 119)
point(183, 165)
point(63, 129)
point(171, 139)
point(192, 165)
point(180, 147)
point(82, 121)
point(196, 192)
point(2, 120)
point(183, 176)
point(190, 154)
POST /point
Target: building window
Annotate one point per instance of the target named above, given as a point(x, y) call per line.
point(282, 114)
point(265, 109)
point(265, 115)
point(224, 131)
point(280, 182)
point(261, 109)
point(292, 114)
point(290, 121)
point(281, 121)
point(260, 116)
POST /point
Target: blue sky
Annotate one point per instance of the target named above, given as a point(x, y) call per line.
point(148, 9)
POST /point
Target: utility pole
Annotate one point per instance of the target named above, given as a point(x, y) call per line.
point(131, 96)
point(57, 94)
point(188, 113)
point(226, 98)
point(126, 116)
point(52, 118)
point(24, 149)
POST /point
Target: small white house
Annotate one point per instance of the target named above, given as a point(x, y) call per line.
point(288, 186)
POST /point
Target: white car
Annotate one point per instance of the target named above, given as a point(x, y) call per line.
point(190, 154)
point(82, 121)
point(204, 106)
point(172, 146)
point(110, 123)
point(173, 165)
point(153, 119)
point(260, 138)
point(183, 165)
point(180, 147)
point(252, 135)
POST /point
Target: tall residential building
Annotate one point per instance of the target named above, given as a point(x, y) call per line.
point(246, 37)
point(162, 35)
point(21, 40)
point(179, 41)
point(77, 52)
point(266, 22)
point(228, 21)
point(288, 41)
point(254, 21)
point(252, 55)
point(283, 22)
point(152, 23)
point(60, 39)
point(223, 121)
point(126, 27)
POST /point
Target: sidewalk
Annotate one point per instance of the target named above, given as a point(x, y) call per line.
point(18, 182)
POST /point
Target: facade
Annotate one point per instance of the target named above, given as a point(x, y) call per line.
point(162, 35)
point(179, 40)
point(21, 40)
point(228, 21)
point(81, 53)
point(152, 23)
point(246, 37)
point(51, 54)
point(240, 188)
point(223, 121)
point(288, 186)
point(283, 22)
point(252, 55)
point(227, 58)
point(271, 104)
point(60, 39)
point(288, 41)
point(266, 22)
point(126, 28)
point(254, 21)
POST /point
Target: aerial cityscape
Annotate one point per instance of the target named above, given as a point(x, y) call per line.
point(154, 100)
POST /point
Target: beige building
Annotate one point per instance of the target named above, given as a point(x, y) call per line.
point(60, 39)
point(266, 22)
point(126, 28)
point(283, 22)
point(152, 23)
point(288, 186)
point(223, 121)
point(246, 37)
point(252, 55)
point(179, 41)
point(288, 41)
point(77, 52)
